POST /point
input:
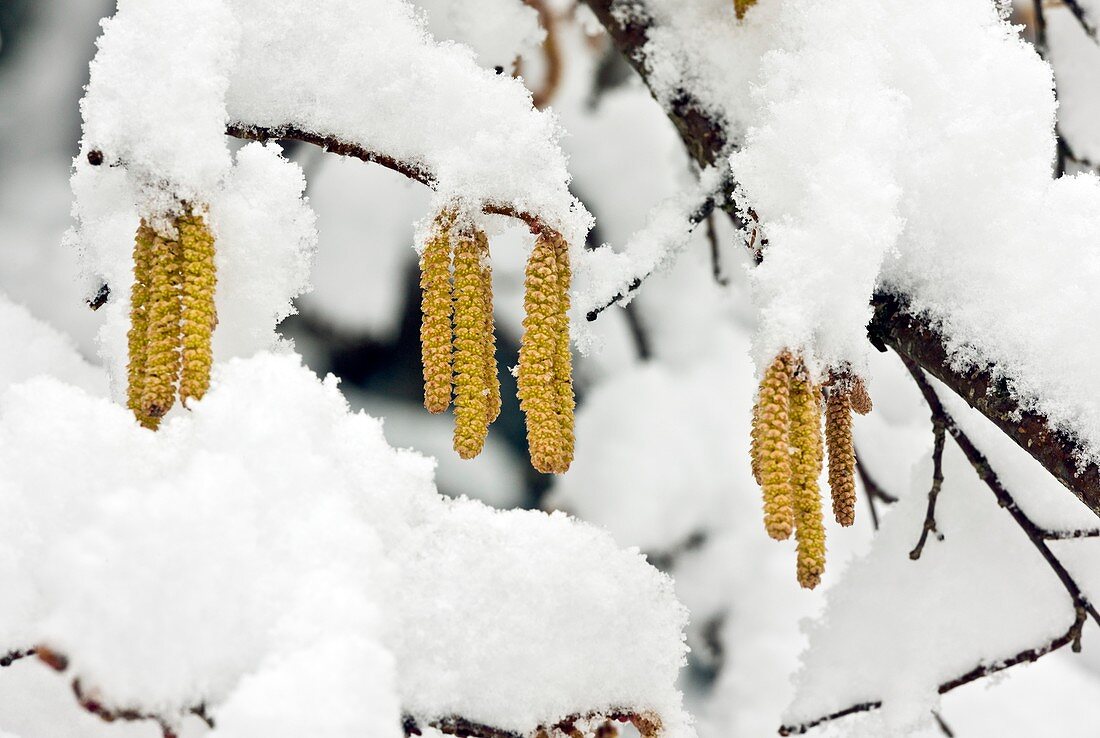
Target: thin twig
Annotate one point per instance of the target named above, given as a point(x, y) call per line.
point(14, 655)
point(715, 255)
point(872, 489)
point(940, 435)
point(1082, 18)
point(942, 725)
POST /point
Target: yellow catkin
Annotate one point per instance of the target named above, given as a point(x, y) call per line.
point(842, 458)
point(435, 309)
point(540, 369)
point(470, 359)
point(805, 469)
point(198, 314)
point(742, 6)
point(492, 379)
point(162, 335)
point(139, 295)
point(563, 361)
point(861, 401)
point(772, 431)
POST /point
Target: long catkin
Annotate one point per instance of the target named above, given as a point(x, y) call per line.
point(806, 467)
point(470, 349)
point(162, 335)
point(541, 366)
point(492, 378)
point(563, 360)
point(772, 447)
point(198, 314)
point(842, 459)
point(139, 323)
point(435, 308)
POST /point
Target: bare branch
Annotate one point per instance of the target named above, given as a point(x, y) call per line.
point(1082, 17)
point(872, 489)
point(940, 435)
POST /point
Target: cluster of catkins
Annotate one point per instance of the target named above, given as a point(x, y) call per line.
point(172, 314)
point(459, 351)
point(787, 455)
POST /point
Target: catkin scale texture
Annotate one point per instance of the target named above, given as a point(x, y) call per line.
point(806, 467)
point(435, 309)
point(541, 373)
point(198, 314)
point(471, 359)
point(842, 459)
point(139, 324)
point(162, 334)
point(772, 447)
point(492, 379)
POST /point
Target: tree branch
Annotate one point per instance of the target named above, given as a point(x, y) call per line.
point(939, 435)
point(335, 145)
point(872, 489)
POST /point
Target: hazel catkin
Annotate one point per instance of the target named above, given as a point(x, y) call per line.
point(470, 349)
point(772, 427)
point(492, 380)
point(136, 337)
point(435, 309)
point(842, 459)
point(198, 315)
point(805, 469)
point(162, 331)
point(544, 382)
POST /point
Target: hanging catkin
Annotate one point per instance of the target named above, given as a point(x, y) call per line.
point(162, 333)
point(197, 311)
point(771, 451)
point(861, 401)
point(806, 467)
point(543, 367)
point(842, 459)
point(470, 349)
point(492, 379)
point(563, 360)
point(435, 308)
point(139, 323)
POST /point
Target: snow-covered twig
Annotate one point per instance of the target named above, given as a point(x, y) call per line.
point(343, 148)
point(665, 240)
point(1082, 607)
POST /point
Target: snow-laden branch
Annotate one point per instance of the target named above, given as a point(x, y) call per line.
point(707, 136)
